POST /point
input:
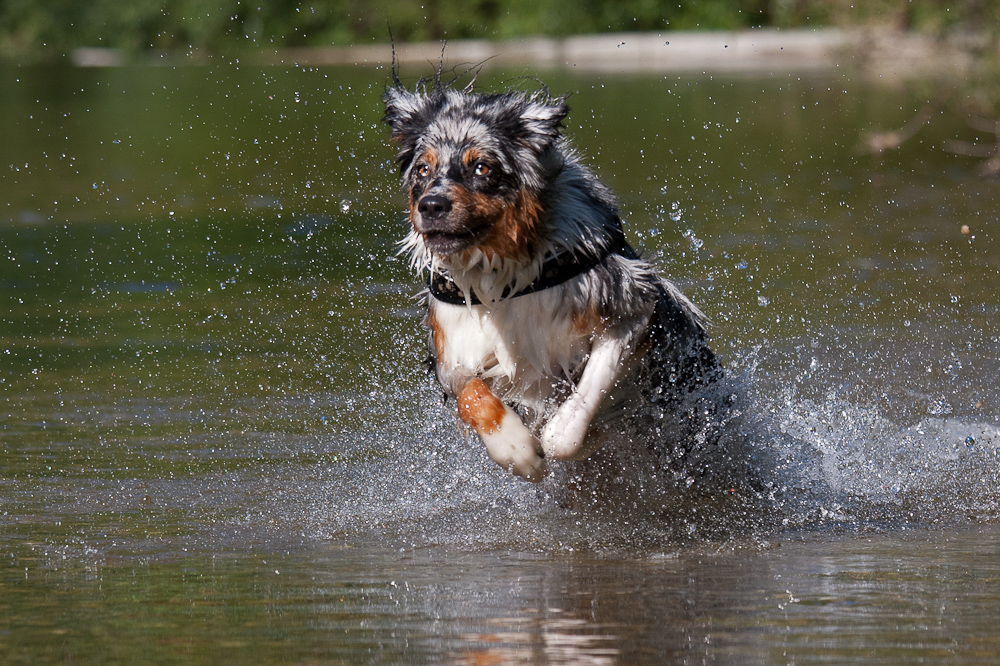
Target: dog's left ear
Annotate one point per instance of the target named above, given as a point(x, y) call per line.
point(541, 121)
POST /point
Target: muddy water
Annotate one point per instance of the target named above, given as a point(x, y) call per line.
point(220, 444)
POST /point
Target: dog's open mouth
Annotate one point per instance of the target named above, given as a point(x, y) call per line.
point(447, 242)
point(447, 236)
point(444, 241)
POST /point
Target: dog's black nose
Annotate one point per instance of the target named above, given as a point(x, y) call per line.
point(434, 206)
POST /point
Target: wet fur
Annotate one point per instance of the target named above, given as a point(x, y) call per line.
point(494, 190)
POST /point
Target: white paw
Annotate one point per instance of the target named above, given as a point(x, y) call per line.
point(563, 436)
point(513, 447)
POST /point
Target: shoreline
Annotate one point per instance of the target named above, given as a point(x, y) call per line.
point(883, 53)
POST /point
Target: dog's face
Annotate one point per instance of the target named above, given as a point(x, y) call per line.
point(474, 165)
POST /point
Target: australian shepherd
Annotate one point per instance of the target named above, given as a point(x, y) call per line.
point(548, 329)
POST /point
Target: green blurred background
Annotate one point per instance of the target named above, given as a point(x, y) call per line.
point(33, 29)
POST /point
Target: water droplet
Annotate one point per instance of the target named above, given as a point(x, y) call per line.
point(940, 407)
point(676, 211)
point(696, 243)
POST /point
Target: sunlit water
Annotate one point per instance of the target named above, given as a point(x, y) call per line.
point(220, 442)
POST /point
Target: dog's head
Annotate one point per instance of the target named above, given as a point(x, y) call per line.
point(474, 166)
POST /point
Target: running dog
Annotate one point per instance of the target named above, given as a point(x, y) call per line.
point(546, 327)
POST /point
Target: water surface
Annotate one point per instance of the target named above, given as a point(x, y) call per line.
point(220, 443)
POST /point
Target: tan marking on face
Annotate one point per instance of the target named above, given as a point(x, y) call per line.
point(517, 231)
point(429, 157)
point(479, 408)
point(478, 209)
point(514, 228)
point(413, 210)
point(472, 155)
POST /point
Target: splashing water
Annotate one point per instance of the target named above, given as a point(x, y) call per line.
point(776, 462)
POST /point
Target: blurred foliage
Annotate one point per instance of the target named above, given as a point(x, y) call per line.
point(31, 29)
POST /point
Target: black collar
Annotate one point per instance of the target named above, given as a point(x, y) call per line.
point(555, 270)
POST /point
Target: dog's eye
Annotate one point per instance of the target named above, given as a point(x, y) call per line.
point(483, 169)
point(424, 170)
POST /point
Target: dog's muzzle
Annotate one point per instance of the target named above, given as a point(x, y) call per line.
point(434, 207)
point(442, 226)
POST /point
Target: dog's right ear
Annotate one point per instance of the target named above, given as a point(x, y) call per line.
point(401, 109)
point(407, 114)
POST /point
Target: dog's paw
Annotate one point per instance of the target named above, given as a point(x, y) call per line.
point(563, 437)
point(513, 447)
point(507, 439)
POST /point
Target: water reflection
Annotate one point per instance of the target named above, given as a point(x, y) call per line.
point(881, 597)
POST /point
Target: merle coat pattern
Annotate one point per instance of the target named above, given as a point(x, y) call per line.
point(542, 368)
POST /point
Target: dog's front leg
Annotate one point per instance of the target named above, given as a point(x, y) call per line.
point(507, 439)
point(564, 436)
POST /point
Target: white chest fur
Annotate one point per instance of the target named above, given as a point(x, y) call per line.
point(525, 347)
